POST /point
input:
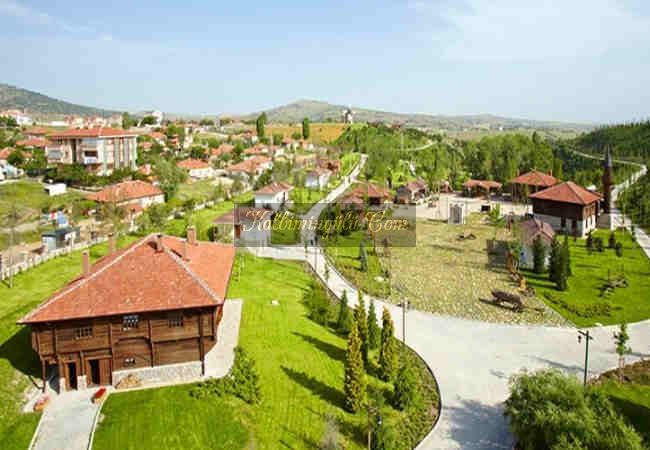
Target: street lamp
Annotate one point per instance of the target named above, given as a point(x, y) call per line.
point(588, 338)
point(404, 306)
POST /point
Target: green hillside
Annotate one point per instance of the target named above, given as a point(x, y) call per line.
point(12, 97)
point(628, 141)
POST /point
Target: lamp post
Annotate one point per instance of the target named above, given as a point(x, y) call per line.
point(588, 338)
point(404, 306)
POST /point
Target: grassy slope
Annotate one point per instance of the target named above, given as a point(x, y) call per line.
point(589, 274)
point(30, 198)
point(633, 401)
point(17, 360)
point(300, 364)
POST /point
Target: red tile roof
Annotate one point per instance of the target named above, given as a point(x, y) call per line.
point(5, 152)
point(568, 192)
point(535, 178)
point(415, 186)
point(33, 142)
point(243, 214)
point(189, 164)
point(532, 228)
point(222, 149)
point(274, 188)
point(91, 133)
point(371, 190)
point(249, 165)
point(484, 184)
point(36, 131)
point(140, 279)
point(127, 190)
point(157, 135)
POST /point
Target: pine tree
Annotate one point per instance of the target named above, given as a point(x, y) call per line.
point(406, 391)
point(362, 324)
point(621, 339)
point(374, 333)
point(554, 261)
point(388, 350)
point(354, 382)
point(562, 270)
point(305, 128)
point(344, 320)
point(567, 253)
point(363, 257)
point(539, 255)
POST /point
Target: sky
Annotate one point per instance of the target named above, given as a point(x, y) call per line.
point(575, 60)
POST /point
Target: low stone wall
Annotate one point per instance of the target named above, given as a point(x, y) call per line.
point(162, 374)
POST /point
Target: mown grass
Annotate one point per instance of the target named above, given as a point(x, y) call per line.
point(300, 364)
point(633, 402)
point(19, 367)
point(285, 230)
point(590, 273)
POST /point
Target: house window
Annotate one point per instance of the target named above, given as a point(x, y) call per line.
point(83, 332)
point(130, 321)
point(129, 361)
point(175, 320)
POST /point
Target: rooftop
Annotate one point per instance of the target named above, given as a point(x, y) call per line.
point(190, 164)
point(126, 190)
point(274, 188)
point(535, 178)
point(91, 133)
point(568, 192)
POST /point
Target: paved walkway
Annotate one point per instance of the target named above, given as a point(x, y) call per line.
point(473, 360)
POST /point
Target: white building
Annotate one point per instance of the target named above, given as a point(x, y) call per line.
point(246, 225)
point(273, 196)
point(318, 178)
point(197, 168)
point(20, 117)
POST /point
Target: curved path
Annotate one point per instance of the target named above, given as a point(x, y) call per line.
point(473, 360)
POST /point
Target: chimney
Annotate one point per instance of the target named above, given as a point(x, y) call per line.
point(85, 263)
point(159, 246)
point(191, 235)
point(111, 243)
point(185, 254)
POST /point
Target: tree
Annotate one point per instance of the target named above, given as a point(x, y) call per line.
point(619, 249)
point(374, 332)
point(127, 121)
point(197, 152)
point(388, 350)
point(621, 339)
point(551, 410)
point(354, 383)
point(296, 135)
point(539, 255)
point(363, 257)
point(148, 120)
point(361, 321)
point(611, 242)
point(16, 158)
point(305, 128)
point(158, 213)
point(567, 254)
point(277, 138)
point(169, 175)
point(206, 122)
point(237, 152)
point(344, 319)
point(259, 124)
point(554, 261)
point(406, 391)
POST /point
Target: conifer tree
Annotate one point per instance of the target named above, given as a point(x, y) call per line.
point(355, 382)
point(567, 252)
point(363, 257)
point(388, 351)
point(539, 255)
point(362, 324)
point(554, 261)
point(344, 320)
point(374, 333)
point(406, 391)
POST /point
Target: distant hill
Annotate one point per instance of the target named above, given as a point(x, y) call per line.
point(39, 105)
point(629, 140)
point(318, 111)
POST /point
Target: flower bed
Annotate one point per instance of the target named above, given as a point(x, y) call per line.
point(41, 403)
point(100, 395)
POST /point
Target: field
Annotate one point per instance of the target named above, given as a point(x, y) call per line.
point(303, 199)
point(300, 364)
point(285, 230)
point(199, 191)
point(18, 363)
point(320, 133)
point(590, 273)
point(30, 198)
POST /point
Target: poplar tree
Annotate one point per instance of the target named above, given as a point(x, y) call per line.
point(363, 257)
point(374, 333)
point(305, 128)
point(361, 322)
point(539, 255)
point(567, 254)
point(354, 382)
point(554, 261)
point(388, 352)
point(344, 320)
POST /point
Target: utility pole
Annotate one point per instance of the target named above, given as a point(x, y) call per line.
point(404, 306)
point(588, 338)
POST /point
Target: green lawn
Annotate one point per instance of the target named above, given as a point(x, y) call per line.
point(590, 272)
point(285, 231)
point(30, 198)
point(300, 364)
point(303, 199)
point(17, 360)
point(199, 191)
point(633, 402)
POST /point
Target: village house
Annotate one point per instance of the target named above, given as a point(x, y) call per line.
point(20, 117)
point(33, 143)
point(4, 155)
point(101, 150)
point(246, 225)
point(302, 161)
point(567, 207)
point(250, 169)
point(412, 192)
point(151, 310)
point(36, 133)
point(196, 168)
point(530, 230)
point(216, 153)
point(375, 196)
point(134, 196)
point(157, 137)
point(273, 196)
point(529, 183)
point(317, 178)
point(476, 188)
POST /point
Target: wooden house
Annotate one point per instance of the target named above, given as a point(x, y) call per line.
point(151, 309)
point(475, 188)
point(412, 192)
point(529, 183)
point(568, 207)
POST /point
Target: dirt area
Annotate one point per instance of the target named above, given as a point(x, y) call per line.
point(440, 208)
point(449, 275)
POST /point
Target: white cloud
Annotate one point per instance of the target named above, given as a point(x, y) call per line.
point(511, 30)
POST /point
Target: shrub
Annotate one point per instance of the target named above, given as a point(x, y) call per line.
point(406, 391)
point(318, 304)
point(587, 311)
point(539, 255)
point(354, 383)
point(611, 242)
point(344, 320)
point(598, 242)
point(550, 410)
point(619, 249)
point(388, 350)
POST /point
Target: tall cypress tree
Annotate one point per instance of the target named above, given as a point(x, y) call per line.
point(388, 352)
point(554, 262)
point(362, 324)
point(567, 252)
point(539, 255)
point(354, 384)
point(344, 320)
point(374, 333)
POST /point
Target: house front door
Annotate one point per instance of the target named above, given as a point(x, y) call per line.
point(71, 375)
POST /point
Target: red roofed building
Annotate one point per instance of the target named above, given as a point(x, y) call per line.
point(412, 192)
point(129, 194)
point(158, 137)
point(568, 207)
point(157, 302)
point(33, 143)
point(101, 150)
point(474, 188)
point(4, 154)
point(273, 196)
point(530, 230)
point(215, 153)
point(251, 168)
point(375, 195)
point(196, 168)
point(36, 132)
point(247, 225)
point(529, 183)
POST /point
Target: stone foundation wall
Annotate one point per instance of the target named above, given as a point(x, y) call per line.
point(162, 374)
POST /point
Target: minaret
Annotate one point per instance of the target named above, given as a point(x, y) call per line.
point(607, 181)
